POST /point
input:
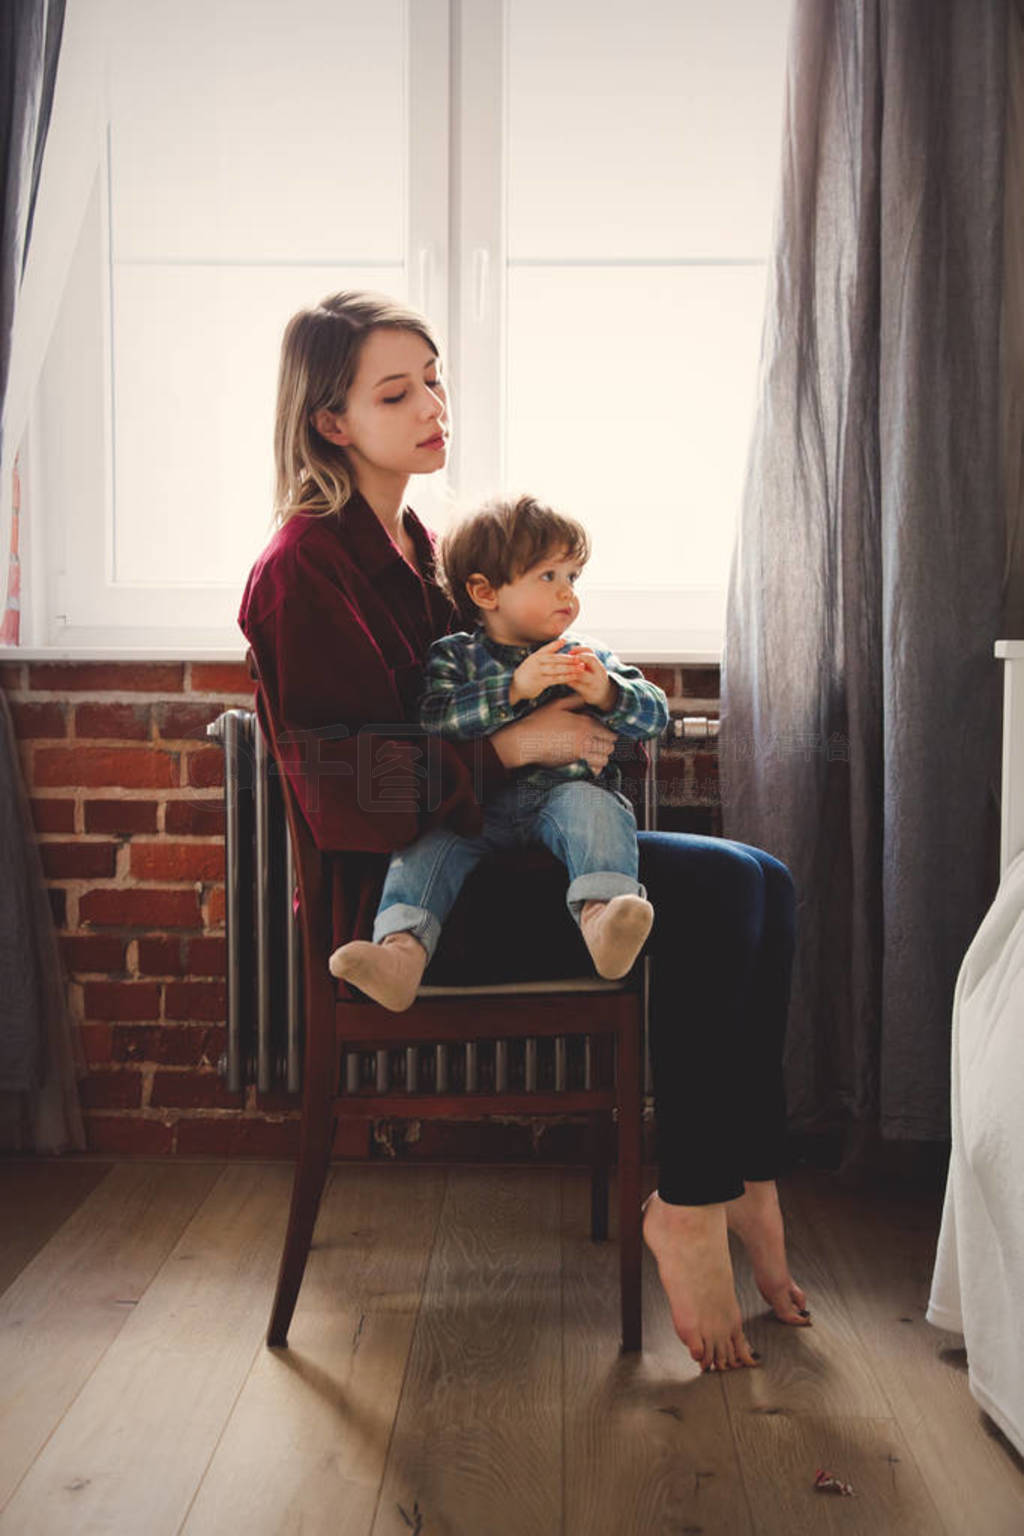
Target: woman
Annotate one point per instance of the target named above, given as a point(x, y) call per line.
point(340, 610)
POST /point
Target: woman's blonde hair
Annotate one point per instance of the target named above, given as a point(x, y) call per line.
point(319, 358)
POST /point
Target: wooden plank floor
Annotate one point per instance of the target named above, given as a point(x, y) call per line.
point(454, 1369)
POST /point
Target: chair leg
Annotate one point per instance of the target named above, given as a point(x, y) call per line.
point(597, 1154)
point(630, 1155)
point(315, 1141)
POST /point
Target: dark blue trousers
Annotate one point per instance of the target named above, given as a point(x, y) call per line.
point(721, 950)
point(722, 954)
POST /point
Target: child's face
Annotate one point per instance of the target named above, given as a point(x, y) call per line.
point(538, 605)
point(395, 421)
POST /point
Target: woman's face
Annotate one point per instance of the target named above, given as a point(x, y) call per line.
point(395, 421)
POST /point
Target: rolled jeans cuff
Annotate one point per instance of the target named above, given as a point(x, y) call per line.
point(600, 886)
point(717, 1191)
point(423, 925)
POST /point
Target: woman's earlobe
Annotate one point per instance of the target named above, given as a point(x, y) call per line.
point(329, 426)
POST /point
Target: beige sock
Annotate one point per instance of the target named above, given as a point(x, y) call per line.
point(614, 932)
point(390, 972)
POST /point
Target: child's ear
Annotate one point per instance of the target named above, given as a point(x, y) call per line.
point(480, 591)
point(331, 426)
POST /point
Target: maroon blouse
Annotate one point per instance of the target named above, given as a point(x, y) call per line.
point(340, 624)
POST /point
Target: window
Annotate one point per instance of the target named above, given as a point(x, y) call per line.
point(579, 195)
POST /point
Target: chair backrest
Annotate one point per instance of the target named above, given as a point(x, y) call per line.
point(311, 865)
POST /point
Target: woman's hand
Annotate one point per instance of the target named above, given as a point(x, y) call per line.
point(544, 668)
point(554, 735)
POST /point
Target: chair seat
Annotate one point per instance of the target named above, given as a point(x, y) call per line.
point(523, 988)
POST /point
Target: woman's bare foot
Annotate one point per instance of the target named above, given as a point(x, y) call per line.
point(389, 972)
point(691, 1245)
point(756, 1219)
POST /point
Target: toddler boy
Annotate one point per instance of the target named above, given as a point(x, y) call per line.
point(511, 570)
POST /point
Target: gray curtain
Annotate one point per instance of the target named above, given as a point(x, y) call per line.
point(861, 700)
point(39, 1108)
point(30, 33)
point(39, 1059)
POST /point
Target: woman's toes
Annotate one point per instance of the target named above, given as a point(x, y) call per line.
point(729, 1354)
point(789, 1310)
point(793, 1296)
point(727, 1357)
point(695, 1344)
point(745, 1354)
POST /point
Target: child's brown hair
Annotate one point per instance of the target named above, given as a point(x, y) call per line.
point(502, 540)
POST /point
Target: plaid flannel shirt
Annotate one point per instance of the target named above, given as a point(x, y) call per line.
point(465, 695)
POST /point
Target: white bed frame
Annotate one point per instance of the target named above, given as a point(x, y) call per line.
point(1011, 652)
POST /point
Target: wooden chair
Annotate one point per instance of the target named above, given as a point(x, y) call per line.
point(607, 1012)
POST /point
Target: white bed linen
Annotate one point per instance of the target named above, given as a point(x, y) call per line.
point(978, 1281)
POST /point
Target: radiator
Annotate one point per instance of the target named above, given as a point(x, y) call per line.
point(264, 963)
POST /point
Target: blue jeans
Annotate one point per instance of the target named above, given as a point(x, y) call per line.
point(591, 830)
point(722, 954)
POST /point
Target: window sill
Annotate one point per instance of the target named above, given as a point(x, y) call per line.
point(658, 649)
point(12, 654)
point(652, 651)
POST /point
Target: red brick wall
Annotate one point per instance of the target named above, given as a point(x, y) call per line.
point(688, 796)
point(126, 795)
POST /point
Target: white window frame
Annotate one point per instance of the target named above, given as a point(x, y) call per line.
point(477, 273)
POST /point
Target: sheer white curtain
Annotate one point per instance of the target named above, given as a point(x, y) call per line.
point(70, 161)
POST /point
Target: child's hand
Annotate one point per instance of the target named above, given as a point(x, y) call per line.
point(545, 668)
point(592, 682)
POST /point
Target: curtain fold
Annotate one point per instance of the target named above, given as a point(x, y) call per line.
point(30, 33)
point(39, 1108)
point(40, 1054)
point(52, 58)
point(1013, 329)
point(860, 697)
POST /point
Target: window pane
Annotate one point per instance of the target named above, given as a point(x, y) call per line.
point(195, 374)
point(643, 147)
point(630, 400)
point(253, 170)
point(643, 130)
point(241, 130)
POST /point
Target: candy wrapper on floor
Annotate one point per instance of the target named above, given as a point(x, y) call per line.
point(827, 1482)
